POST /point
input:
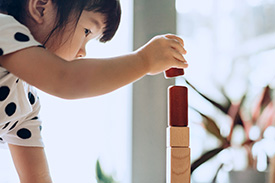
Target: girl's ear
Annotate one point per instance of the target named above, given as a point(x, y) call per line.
point(37, 9)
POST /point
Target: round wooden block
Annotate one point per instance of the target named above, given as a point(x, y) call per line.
point(178, 106)
point(174, 72)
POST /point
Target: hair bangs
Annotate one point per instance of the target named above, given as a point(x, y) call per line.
point(112, 11)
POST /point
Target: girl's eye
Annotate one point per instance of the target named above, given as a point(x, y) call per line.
point(87, 32)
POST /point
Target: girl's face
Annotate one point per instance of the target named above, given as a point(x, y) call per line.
point(71, 44)
point(90, 26)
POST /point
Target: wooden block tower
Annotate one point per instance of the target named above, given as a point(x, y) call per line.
point(178, 151)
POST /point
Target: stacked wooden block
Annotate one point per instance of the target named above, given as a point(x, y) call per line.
point(178, 151)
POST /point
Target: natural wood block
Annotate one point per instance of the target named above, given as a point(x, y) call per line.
point(174, 72)
point(178, 165)
point(178, 106)
point(272, 170)
point(177, 137)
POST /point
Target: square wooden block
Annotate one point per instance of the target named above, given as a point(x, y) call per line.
point(177, 137)
point(178, 169)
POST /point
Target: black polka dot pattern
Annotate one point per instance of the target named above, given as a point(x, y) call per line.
point(6, 125)
point(21, 37)
point(10, 109)
point(31, 98)
point(13, 126)
point(13, 119)
point(4, 92)
point(41, 46)
point(35, 118)
point(19, 118)
point(24, 133)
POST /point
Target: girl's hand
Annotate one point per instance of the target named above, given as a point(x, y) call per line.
point(163, 52)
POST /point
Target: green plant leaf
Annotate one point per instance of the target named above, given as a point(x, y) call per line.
point(224, 109)
point(235, 114)
point(267, 117)
point(101, 176)
point(205, 157)
point(228, 100)
point(216, 175)
point(266, 99)
point(261, 103)
point(212, 127)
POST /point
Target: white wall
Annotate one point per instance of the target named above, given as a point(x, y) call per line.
point(78, 132)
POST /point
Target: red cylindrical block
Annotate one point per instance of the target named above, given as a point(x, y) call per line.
point(178, 106)
point(174, 72)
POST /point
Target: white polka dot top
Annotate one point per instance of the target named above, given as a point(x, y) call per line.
point(19, 104)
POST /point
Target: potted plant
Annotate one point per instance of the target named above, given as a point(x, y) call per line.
point(254, 121)
point(101, 176)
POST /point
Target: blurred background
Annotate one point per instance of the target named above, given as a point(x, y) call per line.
point(231, 52)
point(231, 81)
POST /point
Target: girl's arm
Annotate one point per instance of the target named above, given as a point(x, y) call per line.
point(91, 77)
point(31, 164)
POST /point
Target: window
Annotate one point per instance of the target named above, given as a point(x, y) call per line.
point(231, 43)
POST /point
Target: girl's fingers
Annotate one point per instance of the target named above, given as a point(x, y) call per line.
point(180, 64)
point(171, 36)
point(179, 57)
point(177, 46)
point(177, 50)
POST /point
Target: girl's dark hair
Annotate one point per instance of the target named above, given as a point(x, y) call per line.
point(65, 8)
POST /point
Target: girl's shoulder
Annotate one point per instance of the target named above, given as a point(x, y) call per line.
point(7, 20)
point(4, 16)
point(14, 36)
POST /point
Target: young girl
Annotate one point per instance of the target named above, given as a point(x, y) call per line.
point(42, 44)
